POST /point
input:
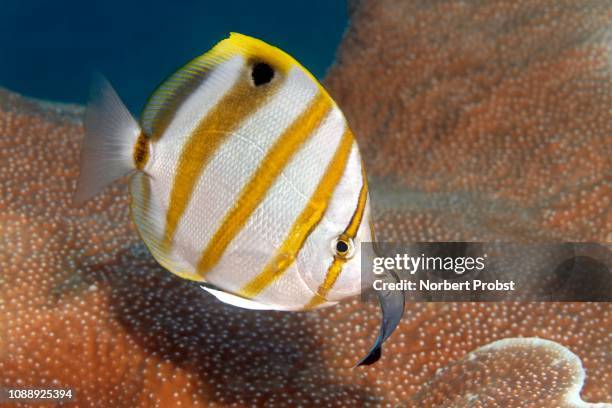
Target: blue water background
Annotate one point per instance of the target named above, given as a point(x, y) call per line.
point(49, 49)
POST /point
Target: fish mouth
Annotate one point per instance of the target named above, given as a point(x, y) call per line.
point(392, 306)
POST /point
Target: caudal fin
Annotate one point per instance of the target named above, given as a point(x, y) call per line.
point(110, 135)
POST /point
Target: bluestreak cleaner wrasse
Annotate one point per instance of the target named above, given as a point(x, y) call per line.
point(244, 176)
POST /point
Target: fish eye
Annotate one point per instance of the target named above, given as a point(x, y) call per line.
point(262, 73)
point(343, 247)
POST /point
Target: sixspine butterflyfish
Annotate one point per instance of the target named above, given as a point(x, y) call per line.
point(244, 176)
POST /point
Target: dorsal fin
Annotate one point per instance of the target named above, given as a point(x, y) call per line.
point(171, 93)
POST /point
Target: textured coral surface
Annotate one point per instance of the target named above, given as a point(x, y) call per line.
point(487, 377)
point(493, 116)
point(478, 120)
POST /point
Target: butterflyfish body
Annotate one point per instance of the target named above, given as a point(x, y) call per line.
point(244, 175)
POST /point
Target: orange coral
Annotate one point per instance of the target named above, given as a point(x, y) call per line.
point(492, 117)
point(84, 306)
point(505, 139)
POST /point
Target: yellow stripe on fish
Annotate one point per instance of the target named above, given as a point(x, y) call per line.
point(245, 174)
point(168, 97)
point(142, 207)
point(141, 151)
point(336, 267)
point(308, 219)
point(229, 113)
point(271, 167)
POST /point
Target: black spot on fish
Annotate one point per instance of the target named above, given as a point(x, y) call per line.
point(262, 73)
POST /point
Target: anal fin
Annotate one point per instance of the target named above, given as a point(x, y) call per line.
point(237, 301)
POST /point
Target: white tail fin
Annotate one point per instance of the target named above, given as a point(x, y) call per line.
point(110, 135)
